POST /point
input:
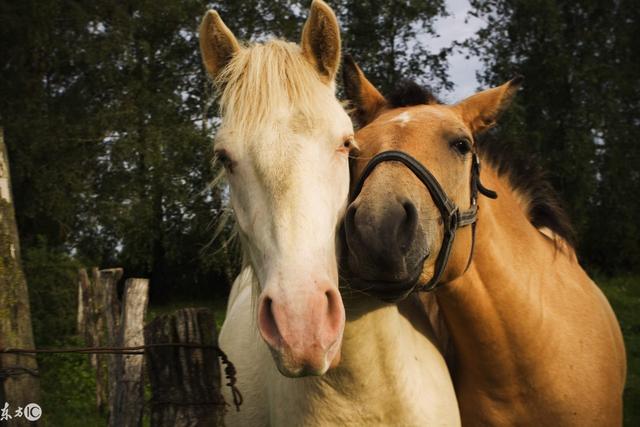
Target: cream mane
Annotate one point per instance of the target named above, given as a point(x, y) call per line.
point(264, 80)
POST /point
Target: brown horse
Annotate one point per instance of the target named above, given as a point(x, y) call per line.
point(534, 341)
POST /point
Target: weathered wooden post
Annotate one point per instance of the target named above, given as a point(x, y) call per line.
point(80, 319)
point(99, 309)
point(22, 387)
point(108, 281)
point(185, 382)
point(93, 328)
point(85, 314)
point(129, 396)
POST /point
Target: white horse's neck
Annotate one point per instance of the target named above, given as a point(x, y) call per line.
point(390, 373)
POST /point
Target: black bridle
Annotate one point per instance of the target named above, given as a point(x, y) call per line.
point(452, 218)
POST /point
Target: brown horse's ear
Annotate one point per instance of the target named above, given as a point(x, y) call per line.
point(321, 41)
point(364, 97)
point(217, 43)
point(481, 110)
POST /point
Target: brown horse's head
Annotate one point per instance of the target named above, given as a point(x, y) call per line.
point(393, 228)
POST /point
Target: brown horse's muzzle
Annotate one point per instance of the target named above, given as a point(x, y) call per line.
point(383, 257)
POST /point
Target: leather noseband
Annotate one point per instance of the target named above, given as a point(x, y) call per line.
point(452, 218)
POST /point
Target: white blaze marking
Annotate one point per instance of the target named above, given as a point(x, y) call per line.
point(402, 118)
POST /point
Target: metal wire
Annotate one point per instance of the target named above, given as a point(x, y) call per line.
point(230, 369)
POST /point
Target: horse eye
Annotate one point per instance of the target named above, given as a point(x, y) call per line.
point(461, 145)
point(223, 157)
point(347, 145)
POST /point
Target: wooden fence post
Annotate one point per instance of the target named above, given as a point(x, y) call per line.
point(129, 396)
point(99, 309)
point(84, 307)
point(185, 382)
point(82, 295)
point(98, 338)
point(111, 314)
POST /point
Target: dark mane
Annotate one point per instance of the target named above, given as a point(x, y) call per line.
point(527, 177)
point(408, 93)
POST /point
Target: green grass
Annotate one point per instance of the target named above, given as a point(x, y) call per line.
point(68, 388)
point(624, 295)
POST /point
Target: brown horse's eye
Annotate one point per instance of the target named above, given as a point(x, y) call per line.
point(223, 157)
point(461, 145)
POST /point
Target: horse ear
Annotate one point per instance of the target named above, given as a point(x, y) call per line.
point(366, 99)
point(481, 111)
point(321, 40)
point(217, 43)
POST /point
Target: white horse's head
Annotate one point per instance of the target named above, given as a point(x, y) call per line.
point(284, 141)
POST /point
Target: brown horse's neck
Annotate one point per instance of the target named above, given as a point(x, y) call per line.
point(494, 312)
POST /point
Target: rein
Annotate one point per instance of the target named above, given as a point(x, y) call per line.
point(452, 217)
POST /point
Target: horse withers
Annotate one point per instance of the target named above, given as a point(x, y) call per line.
point(304, 353)
point(534, 341)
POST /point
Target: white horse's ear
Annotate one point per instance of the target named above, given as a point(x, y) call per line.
point(217, 43)
point(481, 111)
point(321, 40)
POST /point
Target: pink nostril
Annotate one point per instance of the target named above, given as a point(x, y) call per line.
point(267, 322)
point(334, 309)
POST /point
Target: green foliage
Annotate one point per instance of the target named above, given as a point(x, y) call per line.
point(578, 110)
point(624, 294)
point(108, 125)
point(390, 40)
point(68, 388)
point(109, 120)
point(52, 278)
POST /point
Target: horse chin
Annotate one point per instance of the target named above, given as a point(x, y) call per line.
point(294, 369)
point(390, 291)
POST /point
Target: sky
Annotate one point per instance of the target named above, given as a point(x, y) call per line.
point(462, 71)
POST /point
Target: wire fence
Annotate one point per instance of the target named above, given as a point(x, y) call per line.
point(229, 370)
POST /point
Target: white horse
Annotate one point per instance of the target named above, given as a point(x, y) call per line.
point(284, 141)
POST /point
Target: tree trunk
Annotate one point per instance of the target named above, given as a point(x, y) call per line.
point(22, 387)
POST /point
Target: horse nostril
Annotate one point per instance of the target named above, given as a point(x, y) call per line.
point(409, 225)
point(353, 233)
point(268, 321)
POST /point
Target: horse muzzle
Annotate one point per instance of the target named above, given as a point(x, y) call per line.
point(303, 329)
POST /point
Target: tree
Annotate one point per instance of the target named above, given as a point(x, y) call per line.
point(110, 121)
point(577, 109)
point(389, 40)
point(21, 386)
